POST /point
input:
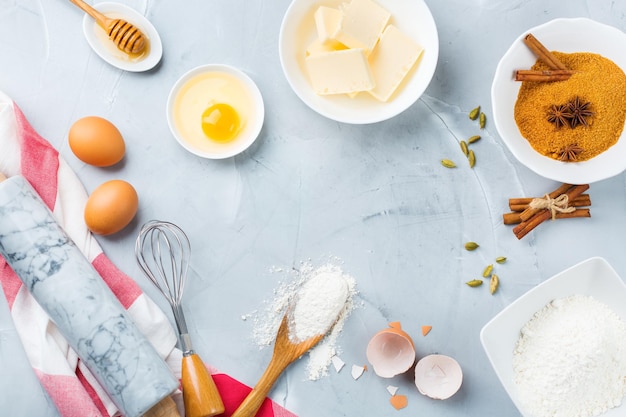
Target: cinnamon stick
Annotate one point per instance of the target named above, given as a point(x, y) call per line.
point(514, 218)
point(539, 217)
point(543, 53)
point(529, 212)
point(521, 204)
point(542, 75)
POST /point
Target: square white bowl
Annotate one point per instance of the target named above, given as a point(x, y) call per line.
point(593, 277)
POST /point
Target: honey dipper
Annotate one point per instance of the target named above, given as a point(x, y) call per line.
point(126, 36)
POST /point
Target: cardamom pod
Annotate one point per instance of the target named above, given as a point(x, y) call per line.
point(471, 157)
point(473, 115)
point(464, 147)
point(473, 139)
point(471, 245)
point(483, 120)
point(494, 283)
point(501, 259)
point(475, 283)
point(488, 270)
point(448, 163)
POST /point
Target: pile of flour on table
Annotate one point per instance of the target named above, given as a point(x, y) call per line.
point(570, 359)
point(314, 302)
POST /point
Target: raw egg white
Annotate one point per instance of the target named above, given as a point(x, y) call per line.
point(96, 141)
point(211, 109)
point(111, 207)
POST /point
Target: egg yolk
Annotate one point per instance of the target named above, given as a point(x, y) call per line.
point(220, 122)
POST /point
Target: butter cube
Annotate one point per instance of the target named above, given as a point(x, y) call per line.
point(317, 47)
point(339, 72)
point(363, 22)
point(391, 60)
point(327, 23)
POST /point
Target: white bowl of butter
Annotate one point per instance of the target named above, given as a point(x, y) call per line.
point(358, 61)
point(215, 111)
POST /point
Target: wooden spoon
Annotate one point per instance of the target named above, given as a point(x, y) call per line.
point(285, 352)
point(125, 35)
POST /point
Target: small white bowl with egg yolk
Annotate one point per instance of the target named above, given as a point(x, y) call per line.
point(215, 111)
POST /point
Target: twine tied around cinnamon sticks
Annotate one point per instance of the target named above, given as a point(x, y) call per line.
point(555, 205)
point(566, 202)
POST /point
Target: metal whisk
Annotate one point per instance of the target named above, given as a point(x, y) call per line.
point(162, 251)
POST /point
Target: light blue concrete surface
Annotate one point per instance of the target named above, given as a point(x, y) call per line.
point(310, 189)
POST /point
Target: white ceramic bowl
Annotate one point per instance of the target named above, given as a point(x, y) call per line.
point(106, 49)
point(298, 31)
point(565, 35)
point(249, 132)
point(593, 277)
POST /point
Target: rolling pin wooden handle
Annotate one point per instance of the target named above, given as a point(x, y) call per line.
point(164, 408)
point(201, 397)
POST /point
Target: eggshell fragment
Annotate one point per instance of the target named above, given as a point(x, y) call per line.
point(398, 401)
point(426, 330)
point(357, 371)
point(96, 141)
point(111, 207)
point(391, 389)
point(391, 351)
point(337, 363)
point(438, 376)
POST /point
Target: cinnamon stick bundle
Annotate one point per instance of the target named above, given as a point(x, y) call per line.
point(514, 217)
point(539, 216)
point(520, 204)
point(529, 211)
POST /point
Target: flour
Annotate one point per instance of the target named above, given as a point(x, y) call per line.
point(319, 296)
point(570, 359)
point(317, 305)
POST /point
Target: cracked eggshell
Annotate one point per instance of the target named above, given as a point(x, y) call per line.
point(391, 351)
point(438, 376)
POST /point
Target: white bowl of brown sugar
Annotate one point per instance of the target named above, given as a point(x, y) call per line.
point(559, 100)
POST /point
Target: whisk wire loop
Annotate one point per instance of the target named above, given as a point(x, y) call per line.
point(162, 251)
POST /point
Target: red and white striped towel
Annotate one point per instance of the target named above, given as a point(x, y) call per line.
point(69, 383)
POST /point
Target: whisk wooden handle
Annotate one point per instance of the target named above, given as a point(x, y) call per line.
point(126, 36)
point(200, 394)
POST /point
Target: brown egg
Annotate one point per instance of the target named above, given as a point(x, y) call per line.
point(111, 207)
point(96, 141)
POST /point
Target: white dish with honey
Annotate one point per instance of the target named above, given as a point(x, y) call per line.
point(215, 111)
point(336, 54)
point(108, 51)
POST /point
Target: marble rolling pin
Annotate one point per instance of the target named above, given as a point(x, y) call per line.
point(79, 302)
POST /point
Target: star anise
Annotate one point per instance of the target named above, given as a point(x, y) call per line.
point(559, 115)
point(570, 153)
point(578, 112)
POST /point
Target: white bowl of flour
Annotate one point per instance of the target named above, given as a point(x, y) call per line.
point(560, 349)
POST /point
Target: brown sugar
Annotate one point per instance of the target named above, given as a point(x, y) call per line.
point(596, 80)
